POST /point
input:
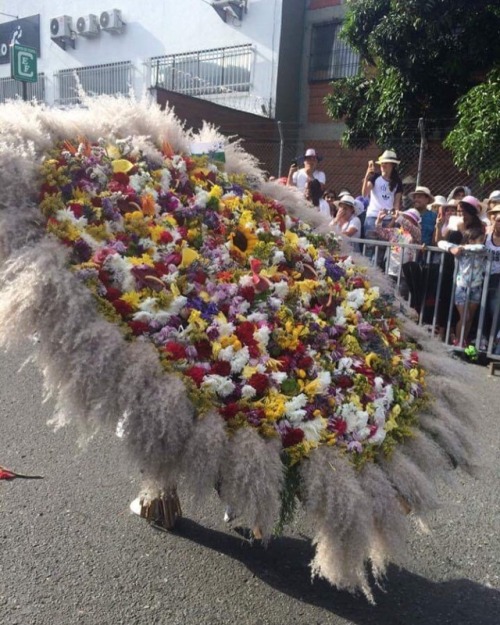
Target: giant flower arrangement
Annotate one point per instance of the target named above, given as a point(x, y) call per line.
point(197, 311)
point(259, 315)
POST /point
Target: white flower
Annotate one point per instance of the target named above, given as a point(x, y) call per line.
point(324, 380)
point(247, 392)
point(177, 304)
point(262, 335)
point(279, 376)
point(221, 385)
point(345, 364)
point(226, 353)
point(245, 281)
point(356, 298)
point(281, 289)
point(312, 429)
point(256, 317)
point(278, 257)
point(355, 418)
point(165, 180)
point(139, 181)
point(240, 359)
point(65, 214)
point(121, 270)
point(201, 197)
point(225, 328)
point(379, 436)
point(294, 408)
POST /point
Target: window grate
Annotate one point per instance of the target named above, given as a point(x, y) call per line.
point(108, 79)
point(11, 89)
point(204, 72)
point(331, 57)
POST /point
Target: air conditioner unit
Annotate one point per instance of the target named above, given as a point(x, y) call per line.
point(88, 25)
point(111, 21)
point(61, 27)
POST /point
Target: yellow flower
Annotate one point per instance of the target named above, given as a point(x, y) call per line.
point(274, 405)
point(243, 241)
point(188, 256)
point(216, 191)
point(196, 320)
point(121, 165)
point(113, 152)
point(133, 298)
point(144, 259)
point(247, 219)
point(248, 372)
point(291, 238)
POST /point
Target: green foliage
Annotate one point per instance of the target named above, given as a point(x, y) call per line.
point(417, 57)
point(475, 140)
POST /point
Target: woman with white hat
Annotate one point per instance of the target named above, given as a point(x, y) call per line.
point(385, 189)
point(347, 221)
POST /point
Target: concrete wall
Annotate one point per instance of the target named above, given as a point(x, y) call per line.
point(156, 28)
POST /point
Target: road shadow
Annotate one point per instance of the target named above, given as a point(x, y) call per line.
point(406, 598)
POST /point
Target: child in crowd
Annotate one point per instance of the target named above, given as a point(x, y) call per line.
point(403, 228)
point(469, 279)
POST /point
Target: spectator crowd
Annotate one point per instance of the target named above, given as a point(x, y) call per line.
point(412, 219)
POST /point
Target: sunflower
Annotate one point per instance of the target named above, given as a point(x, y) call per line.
point(243, 241)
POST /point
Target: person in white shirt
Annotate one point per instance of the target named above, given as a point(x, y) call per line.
point(300, 177)
point(384, 189)
point(347, 221)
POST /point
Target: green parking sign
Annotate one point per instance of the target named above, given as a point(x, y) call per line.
point(23, 64)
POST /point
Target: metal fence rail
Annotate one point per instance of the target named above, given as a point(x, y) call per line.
point(108, 79)
point(204, 72)
point(11, 89)
point(425, 280)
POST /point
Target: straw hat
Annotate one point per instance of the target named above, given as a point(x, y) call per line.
point(493, 197)
point(423, 191)
point(388, 156)
point(348, 200)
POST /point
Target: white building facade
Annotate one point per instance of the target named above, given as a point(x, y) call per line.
point(224, 51)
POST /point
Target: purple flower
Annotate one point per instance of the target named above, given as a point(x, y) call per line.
point(333, 270)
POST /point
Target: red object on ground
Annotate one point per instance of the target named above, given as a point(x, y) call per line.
point(6, 475)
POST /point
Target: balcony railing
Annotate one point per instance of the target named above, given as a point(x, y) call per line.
point(109, 79)
point(11, 89)
point(206, 72)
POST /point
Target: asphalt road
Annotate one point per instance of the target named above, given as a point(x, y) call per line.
point(71, 553)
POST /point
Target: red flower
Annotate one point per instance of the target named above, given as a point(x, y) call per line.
point(248, 293)
point(260, 382)
point(76, 209)
point(229, 411)
point(204, 350)
point(121, 178)
point(292, 436)
point(221, 367)
point(196, 374)
point(138, 327)
point(304, 362)
point(122, 308)
point(285, 362)
point(344, 381)
point(253, 350)
point(245, 332)
point(357, 283)
point(112, 293)
point(174, 350)
point(166, 237)
point(340, 426)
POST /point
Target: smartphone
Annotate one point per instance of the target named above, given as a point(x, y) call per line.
point(294, 163)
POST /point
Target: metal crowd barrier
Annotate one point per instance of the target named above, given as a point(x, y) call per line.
point(432, 295)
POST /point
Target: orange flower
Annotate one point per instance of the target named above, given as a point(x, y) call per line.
point(148, 205)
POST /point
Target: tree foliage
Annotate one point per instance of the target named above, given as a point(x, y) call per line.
point(475, 140)
point(417, 57)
